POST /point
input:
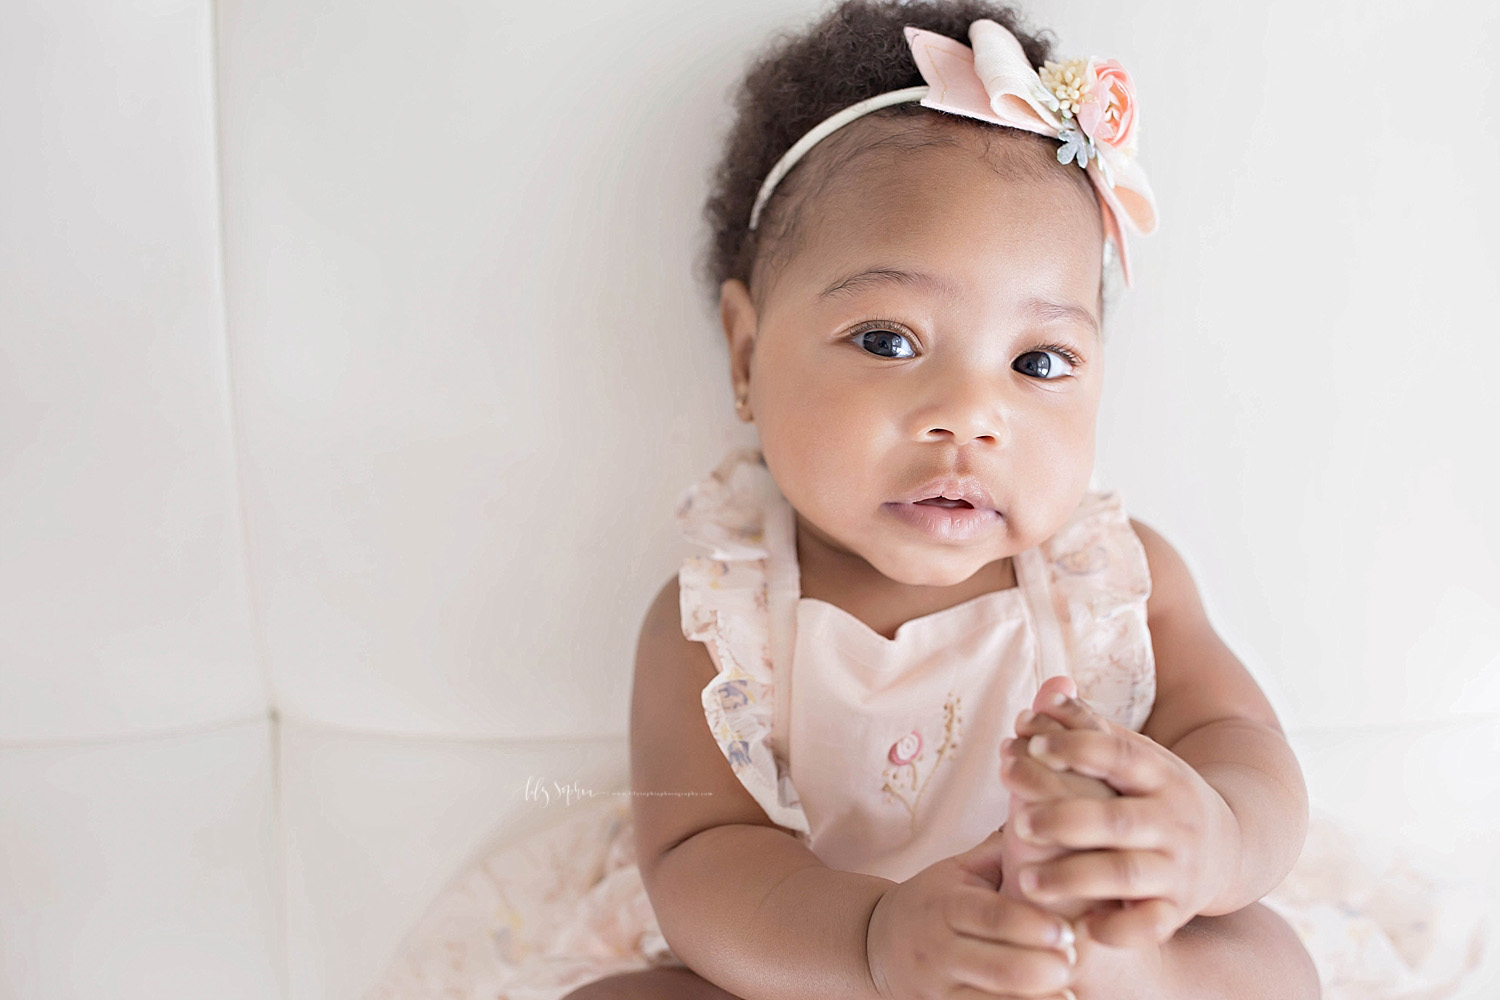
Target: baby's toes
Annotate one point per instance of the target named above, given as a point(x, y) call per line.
point(1016, 853)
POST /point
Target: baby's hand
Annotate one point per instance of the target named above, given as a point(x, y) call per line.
point(1153, 857)
point(946, 931)
point(1031, 782)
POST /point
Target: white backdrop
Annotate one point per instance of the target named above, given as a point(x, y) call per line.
point(350, 364)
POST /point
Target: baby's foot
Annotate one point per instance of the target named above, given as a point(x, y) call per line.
point(1031, 782)
point(1017, 852)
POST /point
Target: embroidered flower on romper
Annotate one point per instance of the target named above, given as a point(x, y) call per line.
point(906, 754)
point(906, 749)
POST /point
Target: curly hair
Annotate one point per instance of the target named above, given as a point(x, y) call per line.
point(854, 51)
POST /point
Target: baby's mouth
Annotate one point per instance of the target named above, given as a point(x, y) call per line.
point(946, 519)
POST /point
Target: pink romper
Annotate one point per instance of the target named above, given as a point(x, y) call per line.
point(882, 755)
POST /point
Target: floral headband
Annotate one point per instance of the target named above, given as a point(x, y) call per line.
point(1087, 105)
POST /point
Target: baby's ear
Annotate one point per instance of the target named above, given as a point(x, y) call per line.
point(737, 313)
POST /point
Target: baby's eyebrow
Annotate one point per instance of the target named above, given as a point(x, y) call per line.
point(1044, 309)
point(1047, 311)
point(883, 275)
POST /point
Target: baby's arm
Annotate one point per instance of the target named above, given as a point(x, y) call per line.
point(1213, 809)
point(1210, 713)
point(748, 907)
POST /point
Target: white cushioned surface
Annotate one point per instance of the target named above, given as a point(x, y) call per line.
point(345, 393)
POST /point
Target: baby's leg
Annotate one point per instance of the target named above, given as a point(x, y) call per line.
point(665, 983)
point(1251, 954)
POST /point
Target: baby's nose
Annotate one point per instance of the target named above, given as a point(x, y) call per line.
point(963, 432)
point(965, 416)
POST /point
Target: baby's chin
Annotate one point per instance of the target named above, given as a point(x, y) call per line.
point(926, 568)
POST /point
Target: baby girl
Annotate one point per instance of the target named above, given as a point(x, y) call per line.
point(965, 727)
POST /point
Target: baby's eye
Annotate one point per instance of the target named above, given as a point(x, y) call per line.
point(1040, 363)
point(878, 341)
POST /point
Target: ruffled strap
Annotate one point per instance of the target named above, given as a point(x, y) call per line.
point(723, 599)
point(1100, 581)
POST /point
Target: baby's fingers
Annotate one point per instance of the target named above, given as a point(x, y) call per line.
point(1029, 723)
point(1081, 824)
point(1129, 874)
point(1131, 763)
point(984, 913)
point(1140, 922)
point(1009, 970)
point(1058, 684)
point(1027, 777)
point(1069, 712)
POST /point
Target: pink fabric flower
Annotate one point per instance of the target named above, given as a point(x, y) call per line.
point(1109, 113)
point(905, 750)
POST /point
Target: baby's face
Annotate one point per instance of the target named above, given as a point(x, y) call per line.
point(865, 389)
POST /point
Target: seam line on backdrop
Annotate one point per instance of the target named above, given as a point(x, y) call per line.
point(1457, 721)
point(236, 444)
point(282, 723)
point(467, 739)
point(126, 739)
point(1468, 719)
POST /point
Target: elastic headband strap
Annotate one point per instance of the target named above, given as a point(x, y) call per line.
point(820, 131)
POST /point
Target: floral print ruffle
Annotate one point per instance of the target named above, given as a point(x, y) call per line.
point(723, 602)
point(1100, 581)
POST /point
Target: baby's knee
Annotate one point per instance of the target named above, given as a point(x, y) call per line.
point(665, 983)
point(1303, 981)
point(1266, 950)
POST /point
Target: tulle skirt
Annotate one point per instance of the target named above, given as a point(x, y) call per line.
point(565, 906)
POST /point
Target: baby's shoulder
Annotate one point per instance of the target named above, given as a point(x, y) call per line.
point(664, 654)
point(1172, 586)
